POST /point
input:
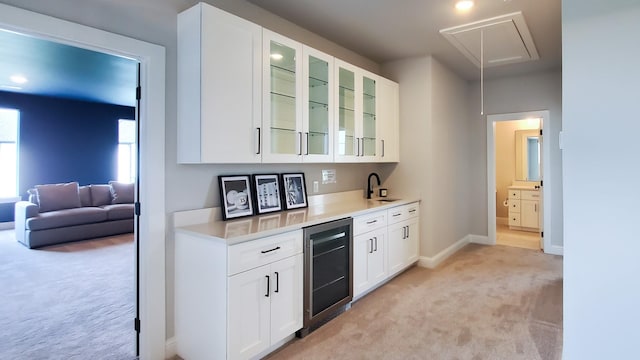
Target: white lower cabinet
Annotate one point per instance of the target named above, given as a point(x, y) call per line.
point(369, 262)
point(369, 251)
point(265, 306)
point(237, 301)
point(403, 244)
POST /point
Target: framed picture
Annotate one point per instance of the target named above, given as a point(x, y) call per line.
point(235, 196)
point(294, 191)
point(267, 193)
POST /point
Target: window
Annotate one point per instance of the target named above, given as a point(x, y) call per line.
point(127, 150)
point(9, 152)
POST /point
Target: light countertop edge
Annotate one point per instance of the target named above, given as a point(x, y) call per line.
point(250, 228)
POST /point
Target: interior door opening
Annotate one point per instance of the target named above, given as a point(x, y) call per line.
point(126, 318)
point(516, 158)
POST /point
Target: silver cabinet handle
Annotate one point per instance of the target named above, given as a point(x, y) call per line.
point(258, 142)
point(300, 145)
point(372, 222)
point(277, 282)
point(382, 148)
point(307, 145)
point(376, 239)
point(268, 282)
point(371, 243)
point(408, 231)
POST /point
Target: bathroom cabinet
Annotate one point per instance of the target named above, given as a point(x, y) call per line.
point(524, 209)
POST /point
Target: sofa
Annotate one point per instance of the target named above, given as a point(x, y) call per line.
point(60, 213)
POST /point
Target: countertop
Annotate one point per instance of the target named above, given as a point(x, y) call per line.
point(254, 227)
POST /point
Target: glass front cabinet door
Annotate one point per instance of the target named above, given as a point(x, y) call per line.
point(282, 105)
point(356, 115)
point(318, 133)
point(347, 113)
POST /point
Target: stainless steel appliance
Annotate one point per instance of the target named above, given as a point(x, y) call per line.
point(328, 271)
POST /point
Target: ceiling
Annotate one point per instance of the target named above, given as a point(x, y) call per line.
point(385, 30)
point(59, 70)
point(381, 30)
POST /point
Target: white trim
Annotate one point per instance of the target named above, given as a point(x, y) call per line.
point(152, 144)
point(502, 221)
point(546, 171)
point(434, 261)
point(170, 349)
point(555, 250)
point(479, 239)
point(7, 225)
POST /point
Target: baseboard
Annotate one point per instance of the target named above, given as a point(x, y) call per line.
point(434, 261)
point(555, 250)
point(479, 239)
point(170, 348)
point(7, 225)
point(502, 221)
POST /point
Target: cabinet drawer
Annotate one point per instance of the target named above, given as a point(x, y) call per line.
point(530, 195)
point(514, 206)
point(369, 222)
point(514, 194)
point(252, 254)
point(514, 219)
point(403, 212)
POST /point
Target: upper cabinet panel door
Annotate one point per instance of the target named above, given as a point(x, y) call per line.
point(219, 97)
point(318, 108)
point(348, 112)
point(388, 121)
point(282, 102)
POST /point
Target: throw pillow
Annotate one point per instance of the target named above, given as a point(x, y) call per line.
point(58, 196)
point(85, 195)
point(100, 195)
point(121, 193)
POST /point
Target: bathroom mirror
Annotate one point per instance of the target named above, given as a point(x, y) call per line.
point(527, 155)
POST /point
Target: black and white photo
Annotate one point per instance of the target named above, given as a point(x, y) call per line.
point(294, 191)
point(235, 196)
point(267, 193)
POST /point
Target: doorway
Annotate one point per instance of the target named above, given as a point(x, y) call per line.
point(517, 159)
point(151, 227)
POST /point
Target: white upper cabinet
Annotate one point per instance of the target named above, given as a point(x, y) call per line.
point(318, 99)
point(388, 121)
point(249, 95)
point(219, 87)
point(282, 101)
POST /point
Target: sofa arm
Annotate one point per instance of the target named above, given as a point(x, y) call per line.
point(23, 211)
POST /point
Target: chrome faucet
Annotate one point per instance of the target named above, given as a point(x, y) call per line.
point(369, 189)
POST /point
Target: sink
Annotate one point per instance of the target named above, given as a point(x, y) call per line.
point(385, 200)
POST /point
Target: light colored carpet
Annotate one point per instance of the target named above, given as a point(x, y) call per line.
point(517, 238)
point(483, 303)
point(73, 301)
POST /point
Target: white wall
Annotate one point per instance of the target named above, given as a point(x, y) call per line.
point(541, 91)
point(154, 21)
point(601, 158)
point(434, 149)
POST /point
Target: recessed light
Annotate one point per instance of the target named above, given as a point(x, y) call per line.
point(18, 79)
point(464, 5)
point(276, 56)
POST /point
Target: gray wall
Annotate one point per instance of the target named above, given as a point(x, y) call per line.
point(600, 158)
point(154, 21)
point(542, 91)
point(434, 134)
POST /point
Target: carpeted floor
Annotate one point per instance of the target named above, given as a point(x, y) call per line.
point(483, 303)
point(73, 301)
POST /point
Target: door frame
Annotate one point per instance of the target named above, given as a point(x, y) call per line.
point(491, 172)
point(152, 146)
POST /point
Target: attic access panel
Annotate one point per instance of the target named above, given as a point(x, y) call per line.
point(506, 40)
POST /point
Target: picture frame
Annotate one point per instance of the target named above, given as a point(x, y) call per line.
point(267, 193)
point(236, 198)
point(294, 191)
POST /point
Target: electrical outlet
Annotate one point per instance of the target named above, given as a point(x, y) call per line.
point(315, 187)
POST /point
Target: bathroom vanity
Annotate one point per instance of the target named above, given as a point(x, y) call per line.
point(524, 208)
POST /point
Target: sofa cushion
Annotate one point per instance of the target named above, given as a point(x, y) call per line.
point(119, 211)
point(100, 195)
point(121, 193)
point(53, 197)
point(68, 217)
point(85, 195)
